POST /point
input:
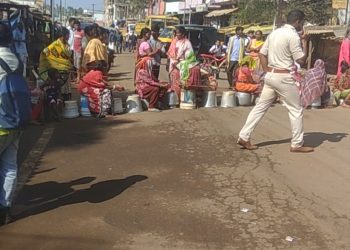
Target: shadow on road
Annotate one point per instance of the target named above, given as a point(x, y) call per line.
point(120, 76)
point(67, 134)
point(82, 132)
point(43, 197)
point(312, 139)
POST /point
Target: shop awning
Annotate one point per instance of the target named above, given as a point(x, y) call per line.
point(216, 13)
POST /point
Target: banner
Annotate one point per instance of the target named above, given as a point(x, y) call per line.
point(339, 4)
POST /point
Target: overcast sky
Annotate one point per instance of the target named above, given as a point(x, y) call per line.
point(85, 4)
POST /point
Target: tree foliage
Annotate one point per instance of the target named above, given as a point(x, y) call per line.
point(316, 11)
point(135, 7)
point(257, 11)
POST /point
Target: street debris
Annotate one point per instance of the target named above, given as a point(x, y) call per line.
point(245, 210)
point(290, 239)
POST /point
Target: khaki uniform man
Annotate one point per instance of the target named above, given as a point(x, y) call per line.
point(282, 48)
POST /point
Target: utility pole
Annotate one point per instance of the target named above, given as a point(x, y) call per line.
point(52, 2)
point(93, 10)
point(184, 17)
point(65, 10)
point(61, 17)
point(347, 12)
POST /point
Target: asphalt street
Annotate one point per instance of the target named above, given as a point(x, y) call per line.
point(177, 180)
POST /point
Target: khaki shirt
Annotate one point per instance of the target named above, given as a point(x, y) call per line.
point(283, 48)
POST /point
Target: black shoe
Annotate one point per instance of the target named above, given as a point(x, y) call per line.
point(5, 217)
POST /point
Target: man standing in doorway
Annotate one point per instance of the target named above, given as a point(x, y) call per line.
point(235, 53)
point(282, 48)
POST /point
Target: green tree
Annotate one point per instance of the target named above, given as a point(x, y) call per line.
point(255, 11)
point(137, 7)
point(316, 11)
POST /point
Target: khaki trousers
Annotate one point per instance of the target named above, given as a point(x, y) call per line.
point(284, 86)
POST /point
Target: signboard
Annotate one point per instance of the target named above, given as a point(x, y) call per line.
point(339, 4)
point(201, 8)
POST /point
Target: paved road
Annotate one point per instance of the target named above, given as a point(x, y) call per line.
point(176, 180)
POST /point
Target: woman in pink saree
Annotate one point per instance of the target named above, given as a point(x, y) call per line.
point(180, 49)
point(344, 53)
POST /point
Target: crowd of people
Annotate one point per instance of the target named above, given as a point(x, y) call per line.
point(184, 69)
point(269, 68)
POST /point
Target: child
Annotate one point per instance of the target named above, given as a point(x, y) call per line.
point(217, 49)
point(53, 102)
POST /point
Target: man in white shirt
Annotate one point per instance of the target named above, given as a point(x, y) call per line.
point(70, 27)
point(235, 53)
point(282, 48)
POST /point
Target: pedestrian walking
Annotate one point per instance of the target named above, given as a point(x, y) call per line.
point(126, 44)
point(15, 110)
point(77, 47)
point(235, 53)
point(119, 42)
point(132, 42)
point(70, 27)
point(282, 48)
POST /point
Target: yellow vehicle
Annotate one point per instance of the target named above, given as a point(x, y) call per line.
point(167, 34)
point(128, 29)
point(161, 21)
point(139, 26)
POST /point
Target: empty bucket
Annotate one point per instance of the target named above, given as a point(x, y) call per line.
point(117, 106)
point(316, 104)
point(84, 106)
point(244, 99)
point(209, 99)
point(188, 99)
point(133, 104)
point(228, 99)
point(172, 99)
point(70, 109)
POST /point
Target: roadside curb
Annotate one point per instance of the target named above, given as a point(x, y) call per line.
point(30, 162)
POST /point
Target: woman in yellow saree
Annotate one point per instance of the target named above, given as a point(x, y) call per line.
point(57, 56)
point(96, 50)
point(254, 48)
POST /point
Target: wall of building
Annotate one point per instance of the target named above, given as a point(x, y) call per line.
point(181, 7)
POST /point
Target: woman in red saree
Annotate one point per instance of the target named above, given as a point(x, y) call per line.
point(149, 88)
point(95, 87)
